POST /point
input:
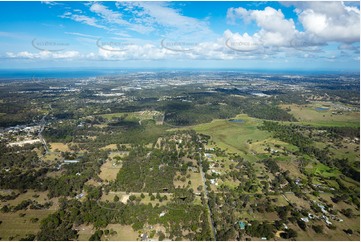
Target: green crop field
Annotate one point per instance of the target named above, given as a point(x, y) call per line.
point(323, 171)
point(234, 136)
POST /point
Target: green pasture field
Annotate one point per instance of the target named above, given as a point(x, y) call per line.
point(14, 226)
point(309, 115)
point(233, 136)
point(322, 170)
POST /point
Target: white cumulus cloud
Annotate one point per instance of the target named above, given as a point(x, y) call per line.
point(275, 29)
point(330, 21)
point(44, 55)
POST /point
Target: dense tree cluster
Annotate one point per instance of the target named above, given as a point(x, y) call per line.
point(153, 169)
point(178, 217)
point(18, 157)
point(205, 109)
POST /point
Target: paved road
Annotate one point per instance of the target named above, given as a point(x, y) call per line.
point(206, 198)
point(42, 126)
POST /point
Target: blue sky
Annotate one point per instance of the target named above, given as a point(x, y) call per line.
point(244, 35)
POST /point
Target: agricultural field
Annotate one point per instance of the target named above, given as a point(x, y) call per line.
point(141, 115)
point(85, 231)
point(324, 114)
point(110, 147)
point(322, 170)
point(110, 169)
point(39, 197)
point(59, 147)
point(51, 157)
point(123, 233)
point(16, 226)
point(234, 136)
point(19, 224)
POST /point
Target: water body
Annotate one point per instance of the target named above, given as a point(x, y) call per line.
point(236, 120)
point(62, 72)
point(322, 109)
point(39, 74)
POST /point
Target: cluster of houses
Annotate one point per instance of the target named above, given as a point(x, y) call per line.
point(213, 171)
point(22, 128)
point(58, 167)
point(324, 215)
point(23, 135)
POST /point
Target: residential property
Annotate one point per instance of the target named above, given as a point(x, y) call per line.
point(242, 225)
point(305, 219)
point(79, 196)
point(71, 161)
point(208, 155)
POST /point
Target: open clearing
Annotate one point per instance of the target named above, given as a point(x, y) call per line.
point(51, 157)
point(291, 166)
point(195, 178)
point(110, 147)
point(59, 147)
point(322, 170)
point(300, 202)
point(327, 235)
point(110, 169)
point(18, 227)
point(308, 114)
point(124, 233)
point(234, 136)
point(261, 146)
point(13, 225)
point(85, 231)
point(141, 115)
point(40, 197)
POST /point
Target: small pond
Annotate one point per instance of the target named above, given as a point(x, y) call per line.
point(236, 120)
point(322, 109)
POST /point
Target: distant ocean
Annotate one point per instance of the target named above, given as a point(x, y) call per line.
point(86, 73)
point(26, 74)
